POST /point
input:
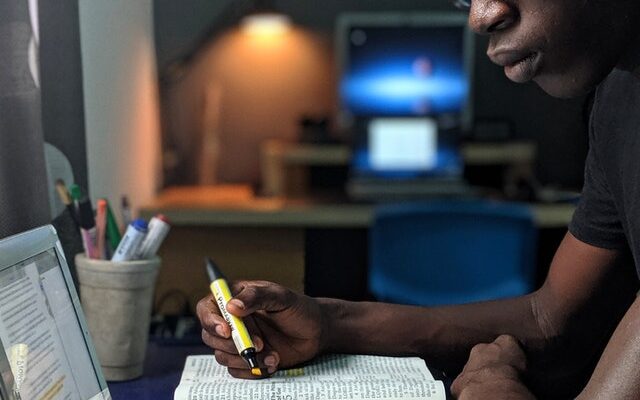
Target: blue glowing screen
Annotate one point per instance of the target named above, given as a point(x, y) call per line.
point(405, 71)
point(449, 164)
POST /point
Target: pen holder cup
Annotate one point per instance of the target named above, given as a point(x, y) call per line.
point(117, 299)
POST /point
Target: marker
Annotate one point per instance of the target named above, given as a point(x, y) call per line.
point(66, 199)
point(76, 194)
point(113, 230)
point(239, 333)
point(129, 244)
point(158, 230)
point(18, 356)
point(101, 228)
point(125, 210)
point(87, 227)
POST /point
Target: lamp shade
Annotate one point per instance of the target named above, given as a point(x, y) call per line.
point(266, 24)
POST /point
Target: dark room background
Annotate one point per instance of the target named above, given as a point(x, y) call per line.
point(557, 126)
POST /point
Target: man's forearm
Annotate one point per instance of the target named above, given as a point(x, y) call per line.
point(588, 288)
point(441, 335)
point(617, 376)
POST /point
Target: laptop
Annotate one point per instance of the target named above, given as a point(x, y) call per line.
point(405, 158)
point(45, 349)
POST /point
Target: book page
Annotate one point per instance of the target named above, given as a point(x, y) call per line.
point(329, 377)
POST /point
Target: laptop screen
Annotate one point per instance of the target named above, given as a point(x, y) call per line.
point(41, 334)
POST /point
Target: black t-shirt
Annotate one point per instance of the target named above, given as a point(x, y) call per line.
point(608, 215)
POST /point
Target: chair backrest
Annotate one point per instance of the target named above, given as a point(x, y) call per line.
point(451, 252)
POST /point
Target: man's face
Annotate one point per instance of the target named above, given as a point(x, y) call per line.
point(566, 46)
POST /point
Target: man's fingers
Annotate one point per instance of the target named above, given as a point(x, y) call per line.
point(238, 367)
point(210, 318)
point(511, 349)
point(270, 360)
point(240, 373)
point(266, 361)
point(457, 385)
point(218, 343)
point(508, 343)
point(252, 296)
point(231, 360)
point(505, 351)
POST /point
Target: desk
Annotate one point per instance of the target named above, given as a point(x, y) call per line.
point(162, 371)
point(285, 166)
point(269, 238)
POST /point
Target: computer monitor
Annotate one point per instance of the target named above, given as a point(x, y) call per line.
point(405, 65)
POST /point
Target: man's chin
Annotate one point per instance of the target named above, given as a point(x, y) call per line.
point(564, 87)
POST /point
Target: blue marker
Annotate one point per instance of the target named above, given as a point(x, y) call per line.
point(131, 241)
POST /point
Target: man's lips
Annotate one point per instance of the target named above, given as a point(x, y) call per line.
point(508, 57)
point(519, 66)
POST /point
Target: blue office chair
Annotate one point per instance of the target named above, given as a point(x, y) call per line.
point(456, 252)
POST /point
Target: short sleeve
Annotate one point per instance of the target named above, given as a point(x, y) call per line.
point(596, 220)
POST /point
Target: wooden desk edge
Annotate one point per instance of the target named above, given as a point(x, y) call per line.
point(317, 216)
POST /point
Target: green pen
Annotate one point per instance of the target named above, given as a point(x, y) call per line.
point(113, 230)
point(76, 192)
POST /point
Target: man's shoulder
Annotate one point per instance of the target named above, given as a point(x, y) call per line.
point(619, 82)
point(618, 96)
point(615, 120)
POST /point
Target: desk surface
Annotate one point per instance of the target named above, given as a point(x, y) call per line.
point(236, 206)
point(163, 368)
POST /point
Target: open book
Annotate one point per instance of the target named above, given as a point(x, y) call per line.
point(329, 377)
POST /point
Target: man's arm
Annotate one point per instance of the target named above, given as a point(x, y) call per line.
point(494, 370)
point(586, 291)
point(617, 375)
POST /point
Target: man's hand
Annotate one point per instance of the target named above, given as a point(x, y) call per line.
point(493, 372)
point(287, 328)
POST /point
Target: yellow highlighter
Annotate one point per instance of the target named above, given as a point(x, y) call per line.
point(239, 333)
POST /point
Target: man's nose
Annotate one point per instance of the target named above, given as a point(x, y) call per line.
point(490, 16)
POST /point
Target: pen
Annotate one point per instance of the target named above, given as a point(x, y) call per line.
point(101, 227)
point(133, 237)
point(125, 209)
point(66, 199)
point(87, 227)
point(76, 195)
point(113, 230)
point(158, 230)
point(221, 293)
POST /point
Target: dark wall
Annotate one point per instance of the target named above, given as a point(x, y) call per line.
point(556, 125)
point(61, 82)
point(23, 182)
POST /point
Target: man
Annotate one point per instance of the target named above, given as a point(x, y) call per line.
point(548, 342)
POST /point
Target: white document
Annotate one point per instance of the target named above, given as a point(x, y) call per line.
point(35, 350)
point(330, 377)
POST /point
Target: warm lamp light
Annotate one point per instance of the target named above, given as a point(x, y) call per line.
point(266, 24)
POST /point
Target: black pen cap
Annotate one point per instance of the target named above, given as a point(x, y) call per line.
point(213, 270)
point(251, 357)
point(87, 221)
